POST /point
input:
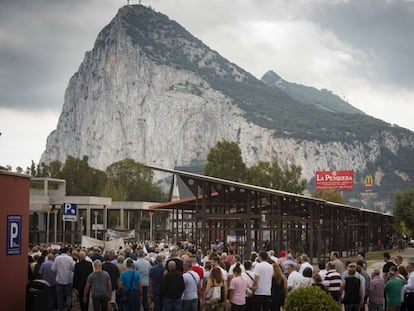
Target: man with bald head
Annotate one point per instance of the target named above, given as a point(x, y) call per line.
point(172, 288)
point(100, 283)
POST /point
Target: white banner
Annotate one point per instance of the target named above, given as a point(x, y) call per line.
point(114, 234)
point(89, 242)
point(114, 245)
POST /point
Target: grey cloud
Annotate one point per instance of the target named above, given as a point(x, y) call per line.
point(42, 43)
point(383, 29)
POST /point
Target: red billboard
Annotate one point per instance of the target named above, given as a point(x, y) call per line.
point(339, 180)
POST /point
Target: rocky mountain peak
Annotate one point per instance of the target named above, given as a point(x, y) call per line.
point(151, 91)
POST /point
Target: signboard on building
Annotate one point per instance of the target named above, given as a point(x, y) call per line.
point(69, 212)
point(14, 235)
point(339, 180)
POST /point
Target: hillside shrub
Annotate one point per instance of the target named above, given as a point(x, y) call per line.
point(310, 298)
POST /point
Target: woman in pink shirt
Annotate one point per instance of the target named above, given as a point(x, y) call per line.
point(237, 290)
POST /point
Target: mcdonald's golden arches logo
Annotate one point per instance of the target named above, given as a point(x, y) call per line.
point(368, 181)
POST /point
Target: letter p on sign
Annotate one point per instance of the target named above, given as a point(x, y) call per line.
point(14, 234)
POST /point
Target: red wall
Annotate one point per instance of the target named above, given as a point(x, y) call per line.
point(14, 200)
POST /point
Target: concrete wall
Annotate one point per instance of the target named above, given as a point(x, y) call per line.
point(14, 233)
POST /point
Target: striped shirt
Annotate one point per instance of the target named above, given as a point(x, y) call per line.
point(333, 283)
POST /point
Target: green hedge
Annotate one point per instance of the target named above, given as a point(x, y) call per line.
point(310, 298)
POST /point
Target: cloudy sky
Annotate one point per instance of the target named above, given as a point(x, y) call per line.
point(362, 50)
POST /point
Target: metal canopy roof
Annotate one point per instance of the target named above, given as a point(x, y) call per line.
point(188, 201)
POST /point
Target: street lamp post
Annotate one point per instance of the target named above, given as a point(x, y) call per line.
point(55, 212)
point(150, 216)
point(96, 224)
point(81, 229)
point(48, 224)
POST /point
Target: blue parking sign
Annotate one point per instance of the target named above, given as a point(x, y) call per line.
point(69, 211)
point(14, 235)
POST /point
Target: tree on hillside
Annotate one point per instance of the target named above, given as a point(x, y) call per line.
point(266, 174)
point(135, 180)
point(404, 209)
point(224, 160)
point(330, 195)
point(271, 175)
point(81, 179)
point(293, 181)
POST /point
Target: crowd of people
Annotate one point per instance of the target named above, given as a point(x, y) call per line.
point(182, 278)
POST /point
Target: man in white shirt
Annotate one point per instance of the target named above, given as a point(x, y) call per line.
point(262, 283)
point(64, 266)
point(295, 279)
point(192, 284)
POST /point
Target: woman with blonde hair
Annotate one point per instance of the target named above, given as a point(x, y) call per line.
point(279, 288)
point(215, 279)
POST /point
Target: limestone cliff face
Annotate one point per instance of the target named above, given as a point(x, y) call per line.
point(127, 100)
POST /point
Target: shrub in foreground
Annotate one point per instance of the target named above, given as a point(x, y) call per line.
point(310, 298)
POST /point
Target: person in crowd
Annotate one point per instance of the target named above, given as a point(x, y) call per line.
point(113, 272)
point(353, 294)
point(248, 275)
point(339, 266)
point(121, 264)
point(237, 290)
point(295, 279)
point(322, 269)
point(386, 267)
point(143, 267)
point(398, 260)
point(64, 266)
point(272, 256)
point(409, 288)
point(130, 282)
point(237, 260)
point(263, 272)
point(403, 273)
point(216, 263)
point(333, 281)
point(174, 256)
point(393, 290)
point(376, 292)
point(200, 271)
point(307, 277)
point(129, 253)
point(365, 282)
point(317, 281)
point(216, 279)
point(288, 261)
point(282, 257)
point(81, 272)
point(230, 258)
point(48, 275)
point(96, 254)
point(305, 264)
point(361, 257)
point(278, 289)
point(39, 261)
point(156, 276)
point(191, 278)
point(99, 282)
point(172, 287)
point(30, 274)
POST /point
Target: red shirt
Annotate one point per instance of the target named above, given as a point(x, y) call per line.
point(199, 270)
